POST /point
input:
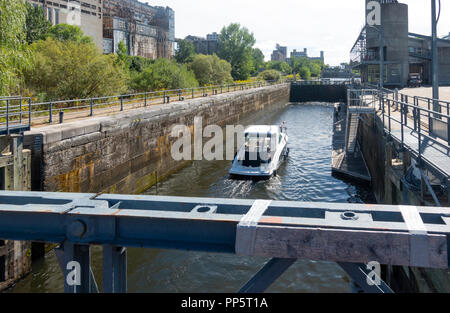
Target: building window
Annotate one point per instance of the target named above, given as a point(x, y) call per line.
point(50, 15)
point(56, 16)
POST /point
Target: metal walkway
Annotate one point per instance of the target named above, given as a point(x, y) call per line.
point(419, 129)
point(350, 234)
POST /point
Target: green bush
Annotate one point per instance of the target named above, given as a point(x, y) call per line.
point(163, 74)
point(270, 75)
point(73, 70)
point(210, 70)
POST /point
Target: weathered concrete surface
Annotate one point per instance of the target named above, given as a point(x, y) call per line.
point(129, 152)
point(427, 92)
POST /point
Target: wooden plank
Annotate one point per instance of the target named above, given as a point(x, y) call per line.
point(352, 246)
point(6, 160)
point(27, 170)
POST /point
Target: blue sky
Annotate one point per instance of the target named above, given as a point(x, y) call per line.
point(329, 25)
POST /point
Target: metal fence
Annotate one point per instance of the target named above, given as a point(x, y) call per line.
point(411, 116)
point(13, 110)
point(15, 114)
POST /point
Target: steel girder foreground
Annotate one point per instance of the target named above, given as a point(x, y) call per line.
point(350, 234)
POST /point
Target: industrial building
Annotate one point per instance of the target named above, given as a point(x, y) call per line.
point(279, 54)
point(404, 52)
point(304, 53)
point(208, 45)
point(86, 14)
point(147, 31)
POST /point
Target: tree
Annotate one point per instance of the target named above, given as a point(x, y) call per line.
point(72, 70)
point(286, 68)
point(315, 69)
point(13, 51)
point(258, 61)
point(65, 32)
point(280, 66)
point(138, 63)
point(122, 56)
point(185, 52)
point(305, 73)
point(209, 69)
point(164, 74)
point(236, 47)
point(36, 25)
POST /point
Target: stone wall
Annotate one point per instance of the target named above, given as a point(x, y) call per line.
point(129, 152)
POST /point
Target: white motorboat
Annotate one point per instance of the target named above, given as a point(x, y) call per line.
point(263, 151)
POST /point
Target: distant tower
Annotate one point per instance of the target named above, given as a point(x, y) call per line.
point(322, 56)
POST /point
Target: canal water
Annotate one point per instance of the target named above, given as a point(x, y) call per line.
point(305, 176)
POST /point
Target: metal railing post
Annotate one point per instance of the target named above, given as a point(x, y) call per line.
point(7, 116)
point(405, 108)
point(402, 106)
point(419, 132)
point(121, 102)
point(145, 99)
point(20, 107)
point(396, 98)
point(193, 93)
point(29, 112)
point(389, 116)
point(50, 120)
point(430, 121)
point(92, 108)
point(164, 97)
point(448, 131)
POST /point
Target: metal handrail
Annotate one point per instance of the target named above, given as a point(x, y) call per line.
point(417, 112)
point(40, 109)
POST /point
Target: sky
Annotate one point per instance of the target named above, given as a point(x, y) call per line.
point(328, 25)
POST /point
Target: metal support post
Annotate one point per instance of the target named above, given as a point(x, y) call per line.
point(114, 269)
point(267, 275)
point(75, 262)
point(435, 64)
point(362, 276)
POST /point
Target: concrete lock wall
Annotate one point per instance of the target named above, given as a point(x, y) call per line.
point(130, 152)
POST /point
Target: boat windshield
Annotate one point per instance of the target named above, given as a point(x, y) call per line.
point(258, 150)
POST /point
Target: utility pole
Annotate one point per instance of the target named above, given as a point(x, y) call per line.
point(435, 64)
